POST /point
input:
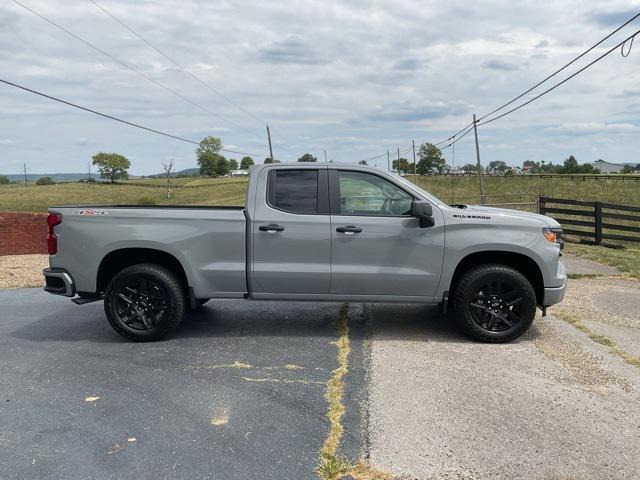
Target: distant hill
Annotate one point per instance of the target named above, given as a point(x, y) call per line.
point(187, 172)
point(56, 177)
point(74, 177)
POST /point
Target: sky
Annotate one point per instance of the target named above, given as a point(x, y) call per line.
point(353, 78)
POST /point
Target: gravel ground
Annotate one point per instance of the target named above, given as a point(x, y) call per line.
point(554, 404)
point(609, 306)
point(583, 266)
point(19, 271)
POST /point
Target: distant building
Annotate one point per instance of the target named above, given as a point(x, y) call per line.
point(235, 173)
point(606, 167)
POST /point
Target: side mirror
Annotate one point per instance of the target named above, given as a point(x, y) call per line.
point(424, 211)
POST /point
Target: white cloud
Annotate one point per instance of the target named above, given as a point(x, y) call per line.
point(6, 142)
point(594, 128)
point(354, 78)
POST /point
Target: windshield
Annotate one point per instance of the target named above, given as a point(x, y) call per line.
point(422, 192)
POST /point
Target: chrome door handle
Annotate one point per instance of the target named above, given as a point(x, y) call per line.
point(272, 227)
point(349, 229)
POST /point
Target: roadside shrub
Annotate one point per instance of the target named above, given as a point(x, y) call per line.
point(146, 201)
point(4, 180)
point(91, 180)
point(45, 181)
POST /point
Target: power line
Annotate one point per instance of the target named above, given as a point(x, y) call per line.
point(175, 62)
point(444, 140)
point(186, 70)
point(457, 139)
point(133, 69)
point(403, 150)
point(561, 82)
point(111, 117)
point(453, 137)
point(561, 68)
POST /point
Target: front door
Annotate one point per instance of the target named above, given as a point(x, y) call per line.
point(377, 247)
point(291, 233)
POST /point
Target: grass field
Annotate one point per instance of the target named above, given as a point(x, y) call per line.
point(230, 191)
point(526, 189)
point(224, 191)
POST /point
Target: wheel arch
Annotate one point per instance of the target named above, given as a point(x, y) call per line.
point(119, 259)
point(523, 263)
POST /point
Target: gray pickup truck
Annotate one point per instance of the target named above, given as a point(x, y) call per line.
point(313, 232)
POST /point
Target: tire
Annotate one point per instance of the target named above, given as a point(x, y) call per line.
point(494, 303)
point(144, 302)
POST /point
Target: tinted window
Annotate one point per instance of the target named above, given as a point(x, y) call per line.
point(294, 191)
point(367, 194)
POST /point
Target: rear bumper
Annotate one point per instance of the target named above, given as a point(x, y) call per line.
point(59, 282)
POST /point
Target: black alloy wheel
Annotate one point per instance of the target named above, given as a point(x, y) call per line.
point(141, 303)
point(496, 306)
point(144, 302)
point(494, 303)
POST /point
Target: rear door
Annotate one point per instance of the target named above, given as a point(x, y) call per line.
point(378, 248)
point(291, 232)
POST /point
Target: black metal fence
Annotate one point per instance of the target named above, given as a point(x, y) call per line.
point(603, 221)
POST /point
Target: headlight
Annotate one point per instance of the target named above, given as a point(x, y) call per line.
point(553, 235)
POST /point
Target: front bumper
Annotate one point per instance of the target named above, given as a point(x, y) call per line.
point(59, 282)
point(553, 295)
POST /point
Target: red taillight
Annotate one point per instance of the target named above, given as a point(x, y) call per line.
point(52, 241)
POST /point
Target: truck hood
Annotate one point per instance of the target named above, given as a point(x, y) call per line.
point(506, 213)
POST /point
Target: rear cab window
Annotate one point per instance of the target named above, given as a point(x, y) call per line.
point(294, 191)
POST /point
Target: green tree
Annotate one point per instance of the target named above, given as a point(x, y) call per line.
point(45, 181)
point(268, 160)
point(233, 164)
point(402, 166)
point(570, 165)
point(207, 155)
point(4, 180)
point(246, 162)
point(430, 159)
point(625, 169)
point(497, 166)
point(470, 168)
point(222, 166)
point(307, 157)
point(112, 166)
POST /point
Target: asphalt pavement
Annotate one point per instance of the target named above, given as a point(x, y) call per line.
point(236, 393)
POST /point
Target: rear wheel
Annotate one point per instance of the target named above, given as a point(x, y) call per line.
point(494, 303)
point(144, 302)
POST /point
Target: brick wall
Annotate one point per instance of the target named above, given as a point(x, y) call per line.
point(23, 233)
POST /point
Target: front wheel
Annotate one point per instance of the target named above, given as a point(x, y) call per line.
point(144, 302)
point(494, 303)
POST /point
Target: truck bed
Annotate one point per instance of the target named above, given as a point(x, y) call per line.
point(209, 242)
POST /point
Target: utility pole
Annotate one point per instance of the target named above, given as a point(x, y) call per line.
point(270, 149)
point(89, 165)
point(398, 165)
point(415, 176)
point(25, 174)
point(483, 197)
point(388, 161)
point(325, 156)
